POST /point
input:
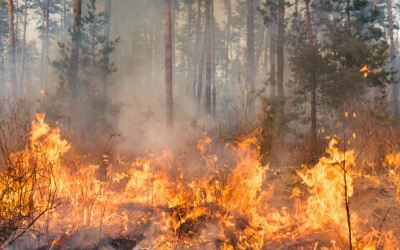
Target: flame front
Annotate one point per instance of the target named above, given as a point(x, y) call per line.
point(221, 201)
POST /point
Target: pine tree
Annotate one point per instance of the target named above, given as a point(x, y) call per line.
point(93, 68)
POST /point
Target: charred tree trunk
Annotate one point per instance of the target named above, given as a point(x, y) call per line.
point(168, 62)
point(228, 39)
point(281, 30)
point(76, 28)
point(13, 73)
point(250, 55)
point(272, 50)
point(104, 87)
point(394, 66)
point(208, 56)
point(196, 64)
point(23, 49)
point(313, 84)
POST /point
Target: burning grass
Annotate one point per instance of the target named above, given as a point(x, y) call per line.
point(208, 197)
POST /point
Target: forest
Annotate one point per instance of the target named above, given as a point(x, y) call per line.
point(199, 124)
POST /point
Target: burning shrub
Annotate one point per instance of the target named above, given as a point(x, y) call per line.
point(28, 186)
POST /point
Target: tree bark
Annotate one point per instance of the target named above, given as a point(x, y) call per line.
point(208, 56)
point(168, 62)
point(76, 28)
point(250, 55)
point(13, 74)
point(393, 63)
point(196, 62)
point(272, 50)
point(280, 59)
point(313, 84)
point(228, 39)
point(23, 49)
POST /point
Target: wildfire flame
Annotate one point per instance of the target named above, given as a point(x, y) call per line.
point(224, 204)
point(366, 71)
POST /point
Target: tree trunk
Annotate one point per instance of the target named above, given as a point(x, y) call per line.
point(250, 55)
point(46, 57)
point(149, 42)
point(23, 49)
point(266, 53)
point(259, 50)
point(13, 73)
point(189, 52)
point(214, 93)
point(168, 62)
point(65, 20)
point(133, 51)
point(43, 50)
point(281, 30)
point(104, 87)
point(16, 25)
point(208, 56)
point(75, 53)
point(392, 55)
point(94, 58)
point(200, 71)
point(3, 86)
point(272, 50)
point(173, 6)
point(348, 12)
point(196, 62)
point(228, 39)
point(313, 84)
point(62, 25)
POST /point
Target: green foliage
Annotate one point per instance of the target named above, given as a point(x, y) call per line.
point(340, 52)
point(94, 70)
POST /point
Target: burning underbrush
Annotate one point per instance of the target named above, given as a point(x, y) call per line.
point(205, 197)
